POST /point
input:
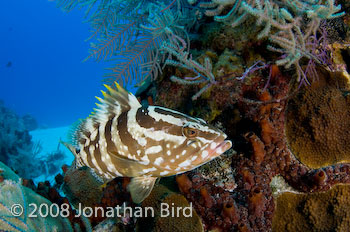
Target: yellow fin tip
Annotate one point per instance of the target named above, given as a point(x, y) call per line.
point(117, 85)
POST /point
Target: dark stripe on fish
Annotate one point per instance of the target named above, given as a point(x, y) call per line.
point(93, 144)
point(111, 148)
point(206, 134)
point(175, 114)
point(86, 133)
point(125, 136)
point(143, 119)
point(97, 155)
point(117, 159)
point(81, 161)
point(146, 121)
point(88, 157)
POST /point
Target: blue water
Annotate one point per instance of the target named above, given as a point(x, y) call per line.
point(41, 68)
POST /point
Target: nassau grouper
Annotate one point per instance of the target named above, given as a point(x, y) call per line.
point(123, 138)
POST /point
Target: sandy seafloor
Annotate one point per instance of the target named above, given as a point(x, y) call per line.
point(49, 139)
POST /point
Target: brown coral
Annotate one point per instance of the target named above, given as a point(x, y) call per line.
point(318, 121)
point(81, 186)
point(327, 211)
point(179, 217)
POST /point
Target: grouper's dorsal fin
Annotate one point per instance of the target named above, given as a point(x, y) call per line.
point(119, 97)
point(114, 102)
point(141, 187)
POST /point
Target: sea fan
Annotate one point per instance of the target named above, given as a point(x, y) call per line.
point(131, 63)
point(130, 33)
point(139, 57)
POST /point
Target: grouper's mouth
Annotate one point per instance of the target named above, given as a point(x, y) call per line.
point(220, 148)
point(215, 149)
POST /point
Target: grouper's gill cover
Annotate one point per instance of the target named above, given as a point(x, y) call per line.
point(122, 138)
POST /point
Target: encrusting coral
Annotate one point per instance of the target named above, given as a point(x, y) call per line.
point(185, 219)
point(326, 211)
point(318, 121)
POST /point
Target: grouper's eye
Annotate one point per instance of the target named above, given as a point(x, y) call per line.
point(189, 132)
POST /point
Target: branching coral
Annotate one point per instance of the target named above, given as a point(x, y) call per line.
point(204, 74)
point(289, 25)
point(142, 36)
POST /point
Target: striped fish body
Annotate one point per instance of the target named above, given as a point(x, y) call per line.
point(122, 138)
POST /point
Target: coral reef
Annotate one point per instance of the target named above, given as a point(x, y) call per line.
point(18, 151)
point(252, 112)
point(318, 121)
point(29, 122)
point(262, 153)
point(284, 24)
point(83, 188)
point(76, 219)
point(16, 148)
point(157, 34)
point(326, 211)
point(238, 82)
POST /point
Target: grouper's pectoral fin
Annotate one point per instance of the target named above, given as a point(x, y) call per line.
point(141, 187)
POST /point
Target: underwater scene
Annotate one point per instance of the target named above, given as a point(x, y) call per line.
point(175, 115)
